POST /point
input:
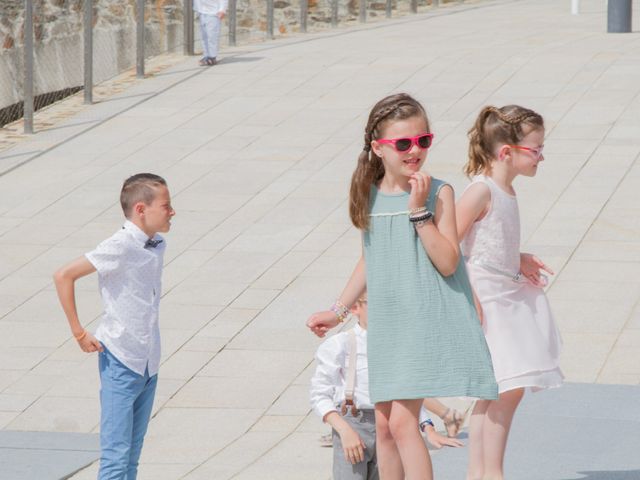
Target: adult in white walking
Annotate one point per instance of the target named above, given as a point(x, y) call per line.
point(211, 13)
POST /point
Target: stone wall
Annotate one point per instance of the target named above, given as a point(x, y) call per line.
point(58, 40)
point(58, 35)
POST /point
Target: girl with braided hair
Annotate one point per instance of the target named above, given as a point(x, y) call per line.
point(424, 337)
point(517, 321)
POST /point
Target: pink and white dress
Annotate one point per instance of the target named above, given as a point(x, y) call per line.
point(518, 324)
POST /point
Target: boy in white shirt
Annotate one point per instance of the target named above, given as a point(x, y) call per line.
point(353, 421)
point(211, 13)
point(354, 426)
point(129, 266)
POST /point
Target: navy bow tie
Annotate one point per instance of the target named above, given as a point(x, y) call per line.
point(152, 243)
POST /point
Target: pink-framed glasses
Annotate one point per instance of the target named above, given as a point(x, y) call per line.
point(422, 141)
point(537, 152)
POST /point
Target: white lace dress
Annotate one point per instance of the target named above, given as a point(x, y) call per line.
point(518, 324)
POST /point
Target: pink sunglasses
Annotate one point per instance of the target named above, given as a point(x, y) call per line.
point(537, 152)
point(422, 141)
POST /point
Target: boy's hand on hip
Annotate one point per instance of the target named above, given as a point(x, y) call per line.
point(90, 344)
point(221, 15)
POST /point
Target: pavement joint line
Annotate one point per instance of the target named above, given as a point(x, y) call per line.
point(605, 203)
point(629, 168)
point(343, 327)
point(383, 23)
point(235, 298)
point(577, 172)
point(275, 437)
point(142, 148)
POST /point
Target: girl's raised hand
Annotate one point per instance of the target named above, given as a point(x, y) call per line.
point(530, 266)
point(420, 184)
point(321, 322)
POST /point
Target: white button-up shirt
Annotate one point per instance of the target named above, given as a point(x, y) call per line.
point(210, 7)
point(329, 380)
point(129, 277)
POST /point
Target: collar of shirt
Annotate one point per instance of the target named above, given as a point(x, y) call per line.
point(136, 232)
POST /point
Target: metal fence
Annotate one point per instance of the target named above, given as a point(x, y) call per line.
point(50, 49)
point(58, 48)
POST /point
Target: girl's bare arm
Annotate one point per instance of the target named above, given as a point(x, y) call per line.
point(440, 238)
point(321, 322)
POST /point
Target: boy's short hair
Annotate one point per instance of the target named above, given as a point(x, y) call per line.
point(139, 188)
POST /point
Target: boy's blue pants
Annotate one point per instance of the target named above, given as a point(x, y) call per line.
point(126, 399)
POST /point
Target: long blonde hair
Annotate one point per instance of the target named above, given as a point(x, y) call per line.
point(370, 169)
point(494, 126)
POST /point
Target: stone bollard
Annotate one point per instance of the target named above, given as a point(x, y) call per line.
point(619, 16)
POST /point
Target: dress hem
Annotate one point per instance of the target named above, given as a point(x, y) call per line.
point(486, 393)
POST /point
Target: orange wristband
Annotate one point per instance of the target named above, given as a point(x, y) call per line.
point(81, 336)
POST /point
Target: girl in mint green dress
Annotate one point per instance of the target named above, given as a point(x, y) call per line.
point(424, 337)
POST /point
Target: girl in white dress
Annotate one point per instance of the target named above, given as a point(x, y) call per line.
point(517, 321)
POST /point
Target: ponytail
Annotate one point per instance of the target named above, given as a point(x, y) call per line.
point(369, 171)
point(494, 126)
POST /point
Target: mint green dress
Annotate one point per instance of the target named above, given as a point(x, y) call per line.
point(424, 336)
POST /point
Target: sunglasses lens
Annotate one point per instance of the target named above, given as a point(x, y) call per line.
point(424, 141)
point(403, 144)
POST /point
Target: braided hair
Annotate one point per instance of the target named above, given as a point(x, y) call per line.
point(370, 168)
point(494, 126)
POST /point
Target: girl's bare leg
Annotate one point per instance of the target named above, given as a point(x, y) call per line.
point(475, 470)
point(496, 431)
point(389, 461)
point(403, 424)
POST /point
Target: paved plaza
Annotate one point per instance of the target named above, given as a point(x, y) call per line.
point(258, 152)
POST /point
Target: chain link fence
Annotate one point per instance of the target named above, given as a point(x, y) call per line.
point(104, 36)
point(58, 45)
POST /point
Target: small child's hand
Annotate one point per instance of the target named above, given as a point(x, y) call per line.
point(89, 343)
point(221, 15)
point(439, 441)
point(352, 446)
point(530, 267)
point(321, 322)
point(420, 184)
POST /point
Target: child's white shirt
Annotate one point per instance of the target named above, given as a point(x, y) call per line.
point(329, 380)
point(210, 7)
point(129, 278)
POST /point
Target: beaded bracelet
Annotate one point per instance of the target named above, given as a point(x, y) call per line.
point(417, 210)
point(421, 218)
point(81, 336)
point(341, 311)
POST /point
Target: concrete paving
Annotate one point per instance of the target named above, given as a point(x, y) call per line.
point(45, 455)
point(578, 432)
point(258, 152)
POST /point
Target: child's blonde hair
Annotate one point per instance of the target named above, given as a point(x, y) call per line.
point(370, 169)
point(494, 126)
